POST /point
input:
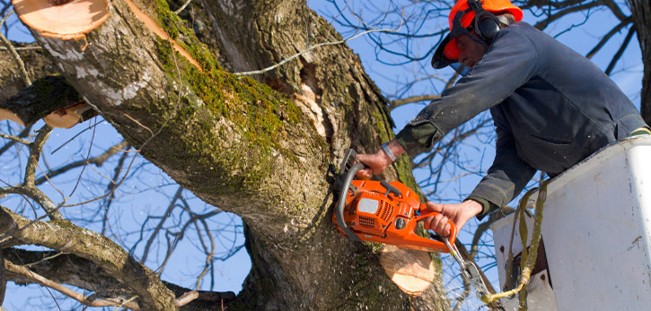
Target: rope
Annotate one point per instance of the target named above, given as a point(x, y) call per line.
point(528, 259)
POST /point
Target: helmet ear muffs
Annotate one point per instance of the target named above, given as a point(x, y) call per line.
point(486, 26)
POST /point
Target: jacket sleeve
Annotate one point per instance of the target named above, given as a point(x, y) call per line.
point(508, 64)
point(506, 177)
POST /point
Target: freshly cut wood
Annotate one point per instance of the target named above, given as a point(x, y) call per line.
point(65, 20)
point(413, 271)
point(68, 117)
point(9, 115)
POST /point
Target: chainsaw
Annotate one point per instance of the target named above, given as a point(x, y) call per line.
point(383, 212)
point(389, 212)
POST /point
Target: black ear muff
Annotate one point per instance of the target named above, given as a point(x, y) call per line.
point(486, 26)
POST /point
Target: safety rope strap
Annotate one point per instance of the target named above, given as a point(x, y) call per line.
point(528, 258)
point(641, 131)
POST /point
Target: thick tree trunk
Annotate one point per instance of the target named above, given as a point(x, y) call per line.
point(242, 146)
point(641, 10)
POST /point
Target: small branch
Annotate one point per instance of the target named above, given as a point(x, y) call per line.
point(88, 301)
point(112, 185)
point(24, 133)
point(608, 36)
point(14, 54)
point(187, 298)
point(97, 161)
point(29, 188)
point(161, 223)
point(177, 12)
point(15, 139)
point(621, 50)
point(286, 60)
point(414, 99)
point(22, 48)
point(35, 149)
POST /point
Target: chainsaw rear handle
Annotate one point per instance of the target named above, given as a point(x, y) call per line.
point(453, 229)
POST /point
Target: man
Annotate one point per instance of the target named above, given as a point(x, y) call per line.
point(551, 106)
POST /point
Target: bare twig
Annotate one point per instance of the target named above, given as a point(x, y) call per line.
point(608, 36)
point(187, 298)
point(177, 12)
point(621, 50)
point(14, 54)
point(413, 99)
point(158, 228)
point(29, 187)
point(286, 60)
point(97, 161)
point(15, 139)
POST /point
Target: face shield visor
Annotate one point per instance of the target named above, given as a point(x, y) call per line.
point(447, 53)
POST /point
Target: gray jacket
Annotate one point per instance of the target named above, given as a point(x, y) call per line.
point(551, 107)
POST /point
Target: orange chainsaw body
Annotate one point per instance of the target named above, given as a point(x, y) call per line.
point(377, 214)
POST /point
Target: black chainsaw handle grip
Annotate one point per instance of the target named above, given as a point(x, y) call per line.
point(390, 188)
point(341, 203)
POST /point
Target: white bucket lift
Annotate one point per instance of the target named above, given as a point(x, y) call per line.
point(596, 231)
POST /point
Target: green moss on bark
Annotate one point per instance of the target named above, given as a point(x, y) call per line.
point(257, 114)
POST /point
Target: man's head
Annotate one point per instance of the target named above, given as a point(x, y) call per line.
point(473, 24)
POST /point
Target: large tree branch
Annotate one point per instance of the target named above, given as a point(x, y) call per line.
point(63, 236)
point(32, 277)
point(69, 269)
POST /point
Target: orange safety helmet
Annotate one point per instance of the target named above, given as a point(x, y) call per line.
point(462, 16)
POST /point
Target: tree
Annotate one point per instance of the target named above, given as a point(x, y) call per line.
point(641, 10)
point(258, 144)
point(259, 151)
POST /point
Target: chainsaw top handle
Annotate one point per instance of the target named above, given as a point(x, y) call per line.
point(343, 191)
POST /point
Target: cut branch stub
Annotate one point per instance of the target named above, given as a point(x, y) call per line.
point(50, 98)
point(412, 271)
point(62, 19)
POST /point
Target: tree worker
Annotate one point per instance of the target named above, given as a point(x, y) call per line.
point(551, 106)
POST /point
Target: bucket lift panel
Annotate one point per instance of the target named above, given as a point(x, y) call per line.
point(596, 230)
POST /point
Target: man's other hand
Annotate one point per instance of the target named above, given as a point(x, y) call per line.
point(459, 214)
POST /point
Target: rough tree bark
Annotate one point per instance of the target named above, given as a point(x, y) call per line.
point(641, 10)
point(258, 148)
